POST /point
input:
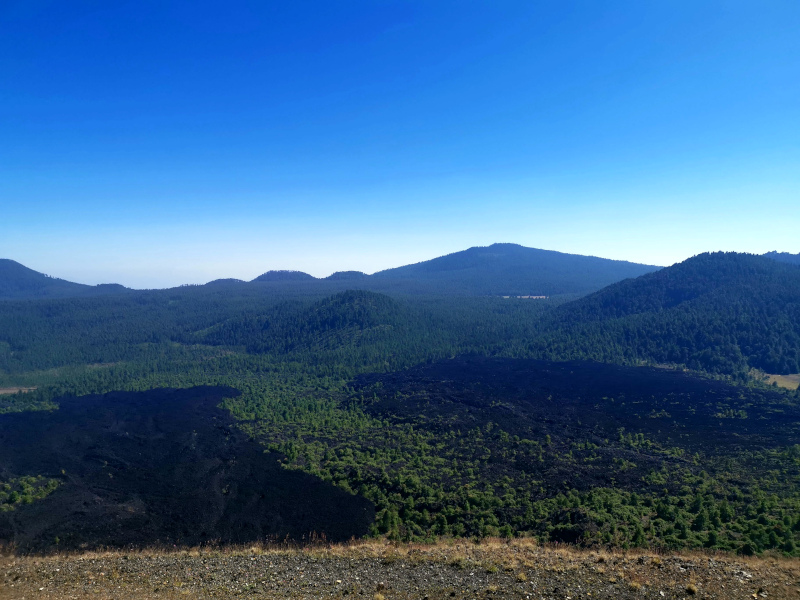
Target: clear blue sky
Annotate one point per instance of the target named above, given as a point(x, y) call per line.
point(155, 143)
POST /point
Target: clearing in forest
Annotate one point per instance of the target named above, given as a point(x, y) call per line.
point(14, 390)
point(790, 382)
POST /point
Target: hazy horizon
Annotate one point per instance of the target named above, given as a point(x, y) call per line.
point(155, 144)
point(251, 276)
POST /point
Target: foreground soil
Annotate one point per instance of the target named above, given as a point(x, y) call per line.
point(381, 571)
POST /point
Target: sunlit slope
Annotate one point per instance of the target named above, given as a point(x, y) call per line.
point(720, 312)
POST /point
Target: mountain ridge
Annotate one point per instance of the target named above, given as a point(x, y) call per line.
point(18, 282)
point(499, 269)
point(512, 269)
point(784, 257)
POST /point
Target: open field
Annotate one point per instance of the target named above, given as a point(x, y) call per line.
point(14, 390)
point(377, 570)
point(790, 382)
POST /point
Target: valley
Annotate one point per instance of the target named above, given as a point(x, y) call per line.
point(623, 418)
point(399, 300)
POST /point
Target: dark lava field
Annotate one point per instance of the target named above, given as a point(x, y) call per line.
point(584, 399)
point(160, 467)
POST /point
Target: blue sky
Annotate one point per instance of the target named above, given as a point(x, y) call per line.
point(154, 143)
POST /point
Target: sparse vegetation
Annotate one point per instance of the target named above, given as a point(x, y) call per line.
point(376, 570)
point(24, 490)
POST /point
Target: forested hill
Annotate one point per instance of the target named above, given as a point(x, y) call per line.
point(284, 276)
point(511, 269)
point(784, 257)
point(19, 282)
point(352, 317)
point(720, 312)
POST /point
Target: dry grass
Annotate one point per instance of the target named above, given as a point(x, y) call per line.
point(790, 382)
point(507, 553)
point(14, 390)
point(502, 568)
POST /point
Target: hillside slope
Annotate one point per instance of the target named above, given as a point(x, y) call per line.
point(348, 317)
point(511, 269)
point(784, 257)
point(720, 312)
point(18, 282)
point(496, 270)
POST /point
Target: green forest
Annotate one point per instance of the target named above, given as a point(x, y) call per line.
point(635, 416)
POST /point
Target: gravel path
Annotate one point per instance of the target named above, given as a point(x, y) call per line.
point(381, 571)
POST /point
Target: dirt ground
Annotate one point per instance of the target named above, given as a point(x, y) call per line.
point(14, 390)
point(790, 382)
point(381, 571)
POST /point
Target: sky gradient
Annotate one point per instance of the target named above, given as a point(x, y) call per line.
point(154, 143)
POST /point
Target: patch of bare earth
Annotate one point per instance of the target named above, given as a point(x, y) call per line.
point(790, 382)
point(381, 571)
point(14, 390)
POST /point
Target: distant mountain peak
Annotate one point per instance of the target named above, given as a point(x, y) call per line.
point(285, 276)
point(512, 269)
point(346, 275)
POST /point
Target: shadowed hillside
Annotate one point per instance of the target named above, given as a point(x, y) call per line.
point(511, 269)
point(496, 270)
point(19, 282)
point(784, 257)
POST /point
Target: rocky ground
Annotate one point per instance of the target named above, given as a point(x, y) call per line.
point(382, 571)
